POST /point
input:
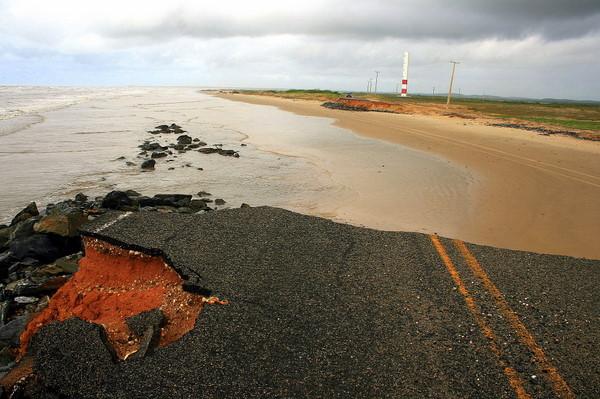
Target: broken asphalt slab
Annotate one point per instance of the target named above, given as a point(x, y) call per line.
point(321, 309)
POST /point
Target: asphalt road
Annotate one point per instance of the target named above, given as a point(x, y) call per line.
point(325, 310)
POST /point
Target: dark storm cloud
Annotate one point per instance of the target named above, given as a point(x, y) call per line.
point(423, 19)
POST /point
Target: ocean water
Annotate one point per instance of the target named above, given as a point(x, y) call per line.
point(56, 142)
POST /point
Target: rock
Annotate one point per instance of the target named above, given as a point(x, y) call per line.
point(44, 247)
point(151, 146)
point(4, 308)
point(208, 150)
point(10, 332)
point(193, 146)
point(244, 205)
point(220, 201)
point(196, 140)
point(146, 326)
point(116, 200)
point(65, 223)
point(29, 211)
point(132, 193)
point(243, 145)
point(174, 200)
point(25, 300)
point(148, 164)
point(178, 147)
point(34, 286)
point(7, 360)
point(23, 229)
point(184, 139)
point(197, 205)
point(178, 130)
point(69, 264)
point(227, 153)
point(129, 163)
point(175, 126)
point(140, 322)
point(4, 235)
point(164, 128)
point(81, 197)
point(121, 158)
point(158, 154)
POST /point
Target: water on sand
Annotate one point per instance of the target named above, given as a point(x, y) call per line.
point(54, 149)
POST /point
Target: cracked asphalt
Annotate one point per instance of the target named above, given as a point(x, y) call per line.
point(321, 309)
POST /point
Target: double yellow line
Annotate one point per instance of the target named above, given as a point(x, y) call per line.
point(559, 385)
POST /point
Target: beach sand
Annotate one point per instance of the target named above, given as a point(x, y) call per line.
point(535, 192)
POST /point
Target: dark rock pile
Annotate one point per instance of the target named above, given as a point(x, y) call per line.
point(343, 107)
point(151, 151)
point(545, 131)
point(39, 252)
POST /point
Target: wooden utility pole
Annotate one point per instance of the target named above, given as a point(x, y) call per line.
point(451, 82)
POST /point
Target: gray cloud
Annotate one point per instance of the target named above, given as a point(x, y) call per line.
point(423, 19)
point(544, 48)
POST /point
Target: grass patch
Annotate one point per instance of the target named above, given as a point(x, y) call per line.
point(567, 115)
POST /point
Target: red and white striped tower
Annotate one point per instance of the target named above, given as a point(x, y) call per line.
point(404, 91)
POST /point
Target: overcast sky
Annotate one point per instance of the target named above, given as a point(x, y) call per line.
point(533, 48)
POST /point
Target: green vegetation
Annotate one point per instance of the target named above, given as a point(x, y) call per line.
point(565, 115)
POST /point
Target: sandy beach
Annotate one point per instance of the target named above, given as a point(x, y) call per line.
point(535, 193)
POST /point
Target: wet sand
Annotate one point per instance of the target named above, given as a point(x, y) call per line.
point(533, 192)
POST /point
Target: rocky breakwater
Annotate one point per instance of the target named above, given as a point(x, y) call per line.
point(153, 152)
point(356, 104)
point(41, 280)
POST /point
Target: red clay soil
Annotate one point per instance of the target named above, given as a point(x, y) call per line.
point(113, 284)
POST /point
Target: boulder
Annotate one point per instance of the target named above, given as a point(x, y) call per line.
point(148, 164)
point(208, 150)
point(204, 194)
point(81, 197)
point(184, 139)
point(151, 147)
point(44, 247)
point(172, 200)
point(65, 223)
point(10, 332)
point(28, 212)
point(229, 153)
point(197, 205)
point(132, 193)
point(220, 201)
point(158, 154)
point(117, 200)
point(4, 235)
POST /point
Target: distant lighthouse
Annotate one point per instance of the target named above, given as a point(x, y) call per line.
point(404, 91)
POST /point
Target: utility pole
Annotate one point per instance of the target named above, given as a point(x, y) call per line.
point(376, 79)
point(451, 81)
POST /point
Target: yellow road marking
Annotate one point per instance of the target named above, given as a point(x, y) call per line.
point(513, 377)
point(559, 385)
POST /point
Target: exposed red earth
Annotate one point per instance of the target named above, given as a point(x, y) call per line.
point(113, 284)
